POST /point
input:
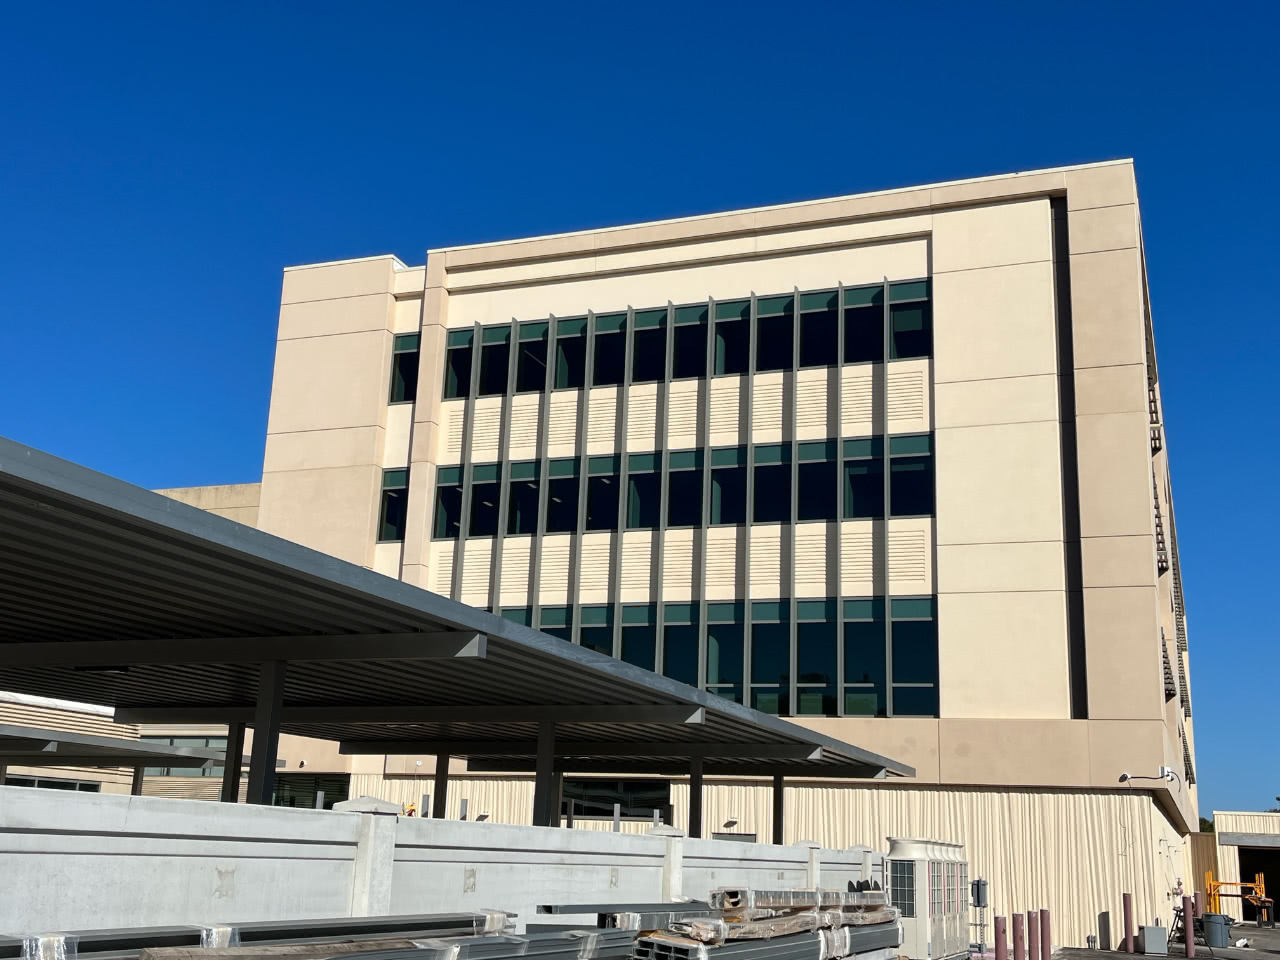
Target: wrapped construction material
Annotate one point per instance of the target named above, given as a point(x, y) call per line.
point(49, 946)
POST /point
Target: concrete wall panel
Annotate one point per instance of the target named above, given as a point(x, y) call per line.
point(1003, 655)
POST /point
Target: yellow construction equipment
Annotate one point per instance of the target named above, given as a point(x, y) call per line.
point(1255, 892)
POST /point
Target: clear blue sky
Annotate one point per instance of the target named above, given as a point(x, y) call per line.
point(160, 164)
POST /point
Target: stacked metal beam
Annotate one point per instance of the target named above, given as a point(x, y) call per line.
point(125, 943)
point(568, 945)
point(779, 925)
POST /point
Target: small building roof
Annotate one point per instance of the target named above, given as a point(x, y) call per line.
point(112, 594)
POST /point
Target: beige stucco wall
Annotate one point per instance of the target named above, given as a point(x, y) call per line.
point(235, 501)
point(330, 431)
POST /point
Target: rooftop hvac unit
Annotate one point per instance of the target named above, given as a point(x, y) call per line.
point(929, 884)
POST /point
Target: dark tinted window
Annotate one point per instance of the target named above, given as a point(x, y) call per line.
point(680, 653)
point(816, 653)
point(571, 362)
point(819, 338)
point(394, 510)
point(773, 342)
point(733, 346)
point(863, 489)
point(911, 486)
point(864, 333)
point(689, 351)
point(770, 653)
point(729, 495)
point(457, 372)
point(643, 500)
point(562, 505)
point(724, 654)
point(649, 355)
point(915, 701)
point(915, 651)
point(816, 664)
point(494, 358)
point(599, 639)
point(816, 493)
point(610, 359)
point(684, 498)
point(864, 660)
point(448, 513)
point(602, 503)
point(773, 493)
point(640, 645)
point(484, 510)
point(910, 323)
point(531, 365)
point(522, 508)
point(404, 377)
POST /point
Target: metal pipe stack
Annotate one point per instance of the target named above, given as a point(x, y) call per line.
point(779, 925)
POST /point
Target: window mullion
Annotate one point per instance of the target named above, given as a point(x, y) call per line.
point(704, 444)
point(839, 550)
point(468, 429)
point(575, 543)
point(544, 479)
point(504, 471)
point(664, 432)
point(751, 501)
point(885, 506)
point(792, 634)
point(620, 445)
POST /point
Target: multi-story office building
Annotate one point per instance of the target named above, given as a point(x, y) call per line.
point(892, 465)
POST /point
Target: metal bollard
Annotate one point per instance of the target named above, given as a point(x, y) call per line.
point(1046, 943)
point(1002, 939)
point(1188, 927)
point(1019, 944)
point(1033, 935)
point(1128, 922)
point(1199, 903)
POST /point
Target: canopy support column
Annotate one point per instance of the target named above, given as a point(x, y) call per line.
point(266, 732)
point(231, 766)
point(695, 797)
point(777, 807)
point(543, 775)
point(440, 792)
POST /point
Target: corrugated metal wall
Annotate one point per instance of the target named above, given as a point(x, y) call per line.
point(1071, 851)
point(1228, 857)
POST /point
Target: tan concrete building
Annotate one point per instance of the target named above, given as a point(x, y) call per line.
point(892, 465)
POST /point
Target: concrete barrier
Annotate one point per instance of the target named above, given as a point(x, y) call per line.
point(78, 861)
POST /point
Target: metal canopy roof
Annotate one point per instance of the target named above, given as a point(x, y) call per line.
point(38, 747)
point(112, 594)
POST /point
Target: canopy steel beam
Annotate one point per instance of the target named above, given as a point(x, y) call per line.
point(445, 645)
point(594, 748)
point(409, 713)
point(31, 746)
point(679, 768)
point(98, 760)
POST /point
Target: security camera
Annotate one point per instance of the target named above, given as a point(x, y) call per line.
point(1124, 778)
